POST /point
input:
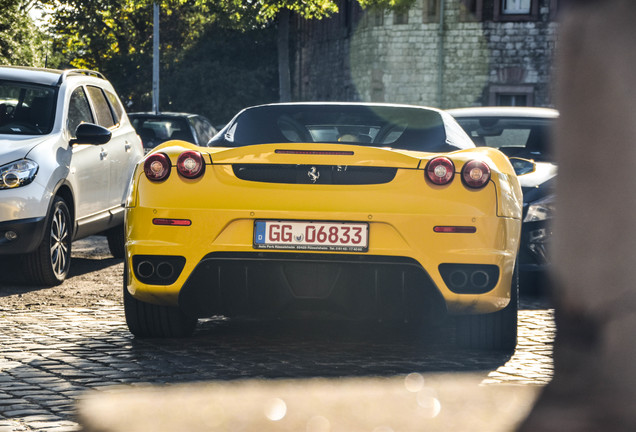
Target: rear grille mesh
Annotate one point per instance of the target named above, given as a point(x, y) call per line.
point(314, 174)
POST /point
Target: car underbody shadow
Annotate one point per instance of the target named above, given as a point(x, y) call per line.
point(319, 348)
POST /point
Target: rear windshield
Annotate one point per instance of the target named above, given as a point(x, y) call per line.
point(406, 128)
point(26, 109)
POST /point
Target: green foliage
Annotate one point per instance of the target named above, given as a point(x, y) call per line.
point(308, 9)
point(217, 56)
point(398, 5)
point(21, 42)
point(116, 38)
point(268, 10)
point(245, 11)
point(227, 70)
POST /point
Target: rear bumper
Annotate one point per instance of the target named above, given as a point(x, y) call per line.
point(219, 273)
point(271, 284)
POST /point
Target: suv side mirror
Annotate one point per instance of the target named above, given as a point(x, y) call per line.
point(89, 133)
point(522, 166)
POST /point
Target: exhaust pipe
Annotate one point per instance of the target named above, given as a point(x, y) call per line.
point(165, 270)
point(458, 279)
point(145, 269)
point(479, 279)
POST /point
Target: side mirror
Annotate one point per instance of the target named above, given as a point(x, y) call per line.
point(522, 166)
point(89, 133)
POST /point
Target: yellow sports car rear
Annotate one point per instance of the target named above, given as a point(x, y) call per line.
point(354, 211)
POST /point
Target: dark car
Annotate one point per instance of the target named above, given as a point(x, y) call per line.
point(155, 128)
point(523, 132)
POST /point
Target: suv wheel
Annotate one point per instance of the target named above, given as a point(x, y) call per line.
point(116, 241)
point(48, 264)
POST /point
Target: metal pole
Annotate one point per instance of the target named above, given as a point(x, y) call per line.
point(155, 59)
point(440, 56)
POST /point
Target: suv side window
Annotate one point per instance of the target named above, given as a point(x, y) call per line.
point(116, 105)
point(79, 111)
point(102, 107)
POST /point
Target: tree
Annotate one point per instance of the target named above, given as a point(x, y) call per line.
point(21, 42)
point(228, 70)
point(115, 37)
point(201, 46)
point(279, 11)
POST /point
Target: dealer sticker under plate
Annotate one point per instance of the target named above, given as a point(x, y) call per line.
point(311, 235)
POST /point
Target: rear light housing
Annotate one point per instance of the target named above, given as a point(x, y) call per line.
point(440, 170)
point(157, 167)
point(190, 164)
point(475, 174)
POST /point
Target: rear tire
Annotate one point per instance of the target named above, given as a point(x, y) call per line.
point(48, 265)
point(493, 331)
point(116, 241)
point(147, 320)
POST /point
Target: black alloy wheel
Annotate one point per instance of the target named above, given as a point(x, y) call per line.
point(147, 320)
point(48, 265)
point(116, 241)
point(495, 331)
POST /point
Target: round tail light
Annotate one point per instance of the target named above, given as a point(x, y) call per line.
point(475, 174)
point(157, 167)
point(440, 170)
point(190, 164)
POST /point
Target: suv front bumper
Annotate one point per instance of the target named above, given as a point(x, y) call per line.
point(21, 236)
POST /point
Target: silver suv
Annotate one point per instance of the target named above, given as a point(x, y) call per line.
point(67, 152)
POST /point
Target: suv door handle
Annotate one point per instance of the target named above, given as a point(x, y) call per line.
point(127, 147)
point(103, 154)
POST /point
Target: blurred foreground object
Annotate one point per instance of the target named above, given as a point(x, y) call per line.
point(445, 402)
point(594, 385)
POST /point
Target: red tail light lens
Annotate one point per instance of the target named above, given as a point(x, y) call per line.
point(157, 167)
point(190, 164)
point(475, 174)
point(440, 170)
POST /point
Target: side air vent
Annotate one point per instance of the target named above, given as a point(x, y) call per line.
point(314, 174)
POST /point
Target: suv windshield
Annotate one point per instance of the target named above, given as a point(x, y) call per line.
point(26, 109)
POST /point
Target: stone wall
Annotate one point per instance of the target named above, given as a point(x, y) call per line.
point(381, 56)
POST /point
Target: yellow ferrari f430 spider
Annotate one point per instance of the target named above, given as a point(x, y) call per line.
point(357, 211)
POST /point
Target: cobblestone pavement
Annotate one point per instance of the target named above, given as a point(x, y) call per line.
point(50, 357)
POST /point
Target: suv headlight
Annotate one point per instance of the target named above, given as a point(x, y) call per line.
point(18, 173)
point(540, 210)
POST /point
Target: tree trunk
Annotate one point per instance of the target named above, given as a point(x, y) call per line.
point(284, 80)
point(594, 384)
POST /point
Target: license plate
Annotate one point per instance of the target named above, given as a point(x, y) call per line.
point(311, 235)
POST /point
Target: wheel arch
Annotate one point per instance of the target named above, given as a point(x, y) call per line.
point(65, 191)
